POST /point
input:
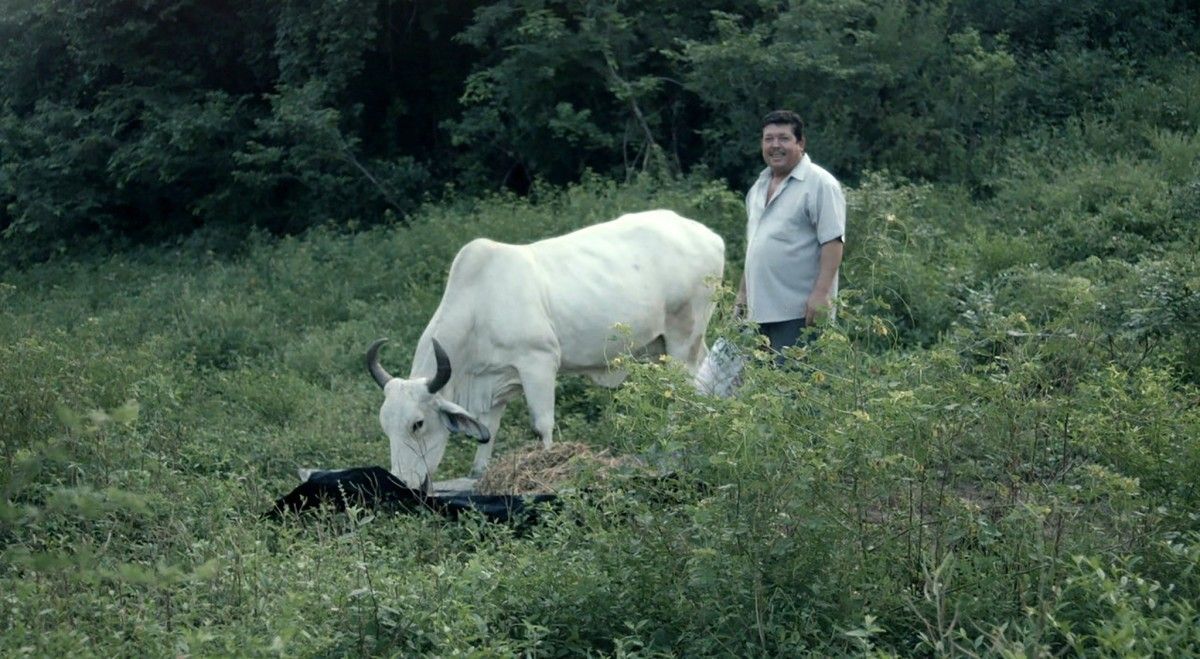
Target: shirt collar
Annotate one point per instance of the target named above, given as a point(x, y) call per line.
point(799, 172)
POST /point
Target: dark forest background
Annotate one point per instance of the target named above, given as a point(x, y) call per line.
point(146, 121)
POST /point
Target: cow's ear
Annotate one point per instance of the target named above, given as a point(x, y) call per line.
point(457, 419)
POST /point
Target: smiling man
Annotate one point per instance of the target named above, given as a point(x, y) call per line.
point(796, 225)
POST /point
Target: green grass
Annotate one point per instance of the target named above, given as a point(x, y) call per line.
point(994, 451)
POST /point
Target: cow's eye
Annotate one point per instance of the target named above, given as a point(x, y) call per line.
point(416, 426)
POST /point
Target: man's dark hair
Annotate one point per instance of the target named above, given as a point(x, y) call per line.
point(788, 117)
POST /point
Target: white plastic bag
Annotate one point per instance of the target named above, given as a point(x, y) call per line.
point(721, 372)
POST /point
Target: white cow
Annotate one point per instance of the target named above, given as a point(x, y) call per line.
point(513, 317)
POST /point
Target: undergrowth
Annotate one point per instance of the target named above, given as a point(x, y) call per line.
point(992, 450)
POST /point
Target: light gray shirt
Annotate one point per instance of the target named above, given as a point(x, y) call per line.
point(783, 240)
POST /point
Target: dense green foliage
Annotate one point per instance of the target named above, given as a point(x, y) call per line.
point(144, 121)
point(994, 451)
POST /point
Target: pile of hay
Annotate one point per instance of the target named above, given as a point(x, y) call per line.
point(535, 470)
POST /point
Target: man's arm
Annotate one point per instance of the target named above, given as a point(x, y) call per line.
point(819, 300)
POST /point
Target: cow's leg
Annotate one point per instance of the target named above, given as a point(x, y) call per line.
point(483, 452)
point(538, 382)
point(684, 333)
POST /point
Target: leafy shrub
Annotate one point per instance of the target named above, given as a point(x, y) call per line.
point(1112, 608)
point(940, 470)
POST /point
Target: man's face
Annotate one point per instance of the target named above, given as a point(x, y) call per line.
point(780, 148)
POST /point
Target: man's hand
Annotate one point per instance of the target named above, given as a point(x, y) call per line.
point(817, 307)
point(819, 301)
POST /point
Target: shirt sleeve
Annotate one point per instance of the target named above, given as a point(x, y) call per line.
point(750, 213)
point(829, 212)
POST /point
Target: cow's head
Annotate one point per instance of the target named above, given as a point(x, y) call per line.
point(418, 421)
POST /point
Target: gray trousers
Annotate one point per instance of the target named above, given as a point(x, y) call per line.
point(781, 335)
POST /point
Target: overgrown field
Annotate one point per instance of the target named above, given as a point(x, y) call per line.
point(996, 449)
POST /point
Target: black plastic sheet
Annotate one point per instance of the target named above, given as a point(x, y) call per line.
point(376, 487)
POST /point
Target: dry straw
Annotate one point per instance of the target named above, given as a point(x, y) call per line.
point(534, 470)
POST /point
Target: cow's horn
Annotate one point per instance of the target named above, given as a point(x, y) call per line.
point(381, 376)
point(443, 368)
